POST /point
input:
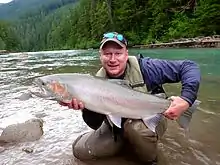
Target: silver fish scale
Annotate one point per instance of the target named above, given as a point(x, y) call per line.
point(109, 97)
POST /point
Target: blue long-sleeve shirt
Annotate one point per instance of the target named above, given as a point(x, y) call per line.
point(157, 72)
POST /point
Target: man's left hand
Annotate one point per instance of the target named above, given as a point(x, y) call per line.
point(176, 108)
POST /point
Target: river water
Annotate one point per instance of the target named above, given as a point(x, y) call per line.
point(199, 146)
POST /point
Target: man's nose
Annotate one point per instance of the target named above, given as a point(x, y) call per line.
point(112, 58)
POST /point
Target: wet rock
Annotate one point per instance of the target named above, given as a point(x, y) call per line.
point(30, 130)
point(27, 150)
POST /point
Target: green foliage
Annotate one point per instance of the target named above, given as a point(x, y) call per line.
point(2, 44)
point(71, 24)
point(8, 39)
point(179, 27)
point(208, 17)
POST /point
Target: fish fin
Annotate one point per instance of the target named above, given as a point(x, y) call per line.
point(186, 117)
point(152, 121)
point(195, 105)
point(124, 83)
point(114, 120)
point(161, 95)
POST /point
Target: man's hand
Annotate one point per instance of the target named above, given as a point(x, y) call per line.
point(177, 107)
point(74, 104)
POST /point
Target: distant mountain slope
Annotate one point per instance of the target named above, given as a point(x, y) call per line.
point(33, 28)
point(16, 8)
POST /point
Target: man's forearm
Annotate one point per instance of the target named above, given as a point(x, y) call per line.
point(190, 81)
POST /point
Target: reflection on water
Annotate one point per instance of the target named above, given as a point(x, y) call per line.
point(61, 125)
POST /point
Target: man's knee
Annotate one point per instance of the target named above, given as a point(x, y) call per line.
point(142, 139)
point(96, 144)
point(79, 148)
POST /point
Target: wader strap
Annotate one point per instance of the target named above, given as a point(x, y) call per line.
point(156, 89)
point(137, 85)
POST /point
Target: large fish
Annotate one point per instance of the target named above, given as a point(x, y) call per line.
point(113, 98)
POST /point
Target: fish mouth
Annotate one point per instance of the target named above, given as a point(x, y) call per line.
point(40, 89)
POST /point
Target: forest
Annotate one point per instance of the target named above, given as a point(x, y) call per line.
point(80, 24)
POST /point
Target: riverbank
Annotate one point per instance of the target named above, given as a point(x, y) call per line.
point(198, 42)
point(3, 52)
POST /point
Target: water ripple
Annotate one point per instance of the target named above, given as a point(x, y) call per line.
point(62, 125)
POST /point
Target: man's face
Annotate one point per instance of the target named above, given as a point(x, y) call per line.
point(114, 58)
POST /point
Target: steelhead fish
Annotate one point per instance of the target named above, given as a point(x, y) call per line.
point(113, 98)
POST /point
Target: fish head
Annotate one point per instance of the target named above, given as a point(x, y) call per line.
point(50, 89)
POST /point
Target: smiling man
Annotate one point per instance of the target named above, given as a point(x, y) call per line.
point(145, 75)
point(114, 56)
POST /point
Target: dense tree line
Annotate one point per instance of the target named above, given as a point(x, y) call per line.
point(8, 38)
point(81, 25)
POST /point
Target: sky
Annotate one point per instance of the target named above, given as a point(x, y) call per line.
point(5, 1)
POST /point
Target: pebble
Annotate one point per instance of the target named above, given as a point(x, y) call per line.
point(27, 150)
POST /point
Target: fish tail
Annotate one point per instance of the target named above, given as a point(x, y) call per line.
point(153, 121)
point(185, 119)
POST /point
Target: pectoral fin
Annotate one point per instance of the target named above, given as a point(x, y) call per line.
point(152, 121)
point(114, 120)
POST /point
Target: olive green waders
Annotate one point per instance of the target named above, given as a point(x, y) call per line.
point(101, 143)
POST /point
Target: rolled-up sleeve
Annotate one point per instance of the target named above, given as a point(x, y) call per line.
point(159, 71)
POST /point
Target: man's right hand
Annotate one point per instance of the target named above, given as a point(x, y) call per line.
point(74, 104)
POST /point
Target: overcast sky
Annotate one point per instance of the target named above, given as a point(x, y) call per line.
point(5, 1)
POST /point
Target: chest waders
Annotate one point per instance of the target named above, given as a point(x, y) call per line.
point(108, 140)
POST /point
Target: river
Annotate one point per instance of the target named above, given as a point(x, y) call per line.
point(199, 146)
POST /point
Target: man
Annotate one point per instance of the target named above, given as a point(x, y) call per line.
point(145, 75)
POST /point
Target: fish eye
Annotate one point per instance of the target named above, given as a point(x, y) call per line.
point(43, 84)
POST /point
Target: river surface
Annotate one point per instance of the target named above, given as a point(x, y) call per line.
point(199, 146)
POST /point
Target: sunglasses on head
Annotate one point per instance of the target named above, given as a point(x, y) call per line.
point(119, 37)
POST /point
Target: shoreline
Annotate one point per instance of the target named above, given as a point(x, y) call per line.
point(2, 52)
point(198, 42)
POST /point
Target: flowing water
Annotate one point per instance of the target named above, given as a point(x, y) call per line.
point(199, 146)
